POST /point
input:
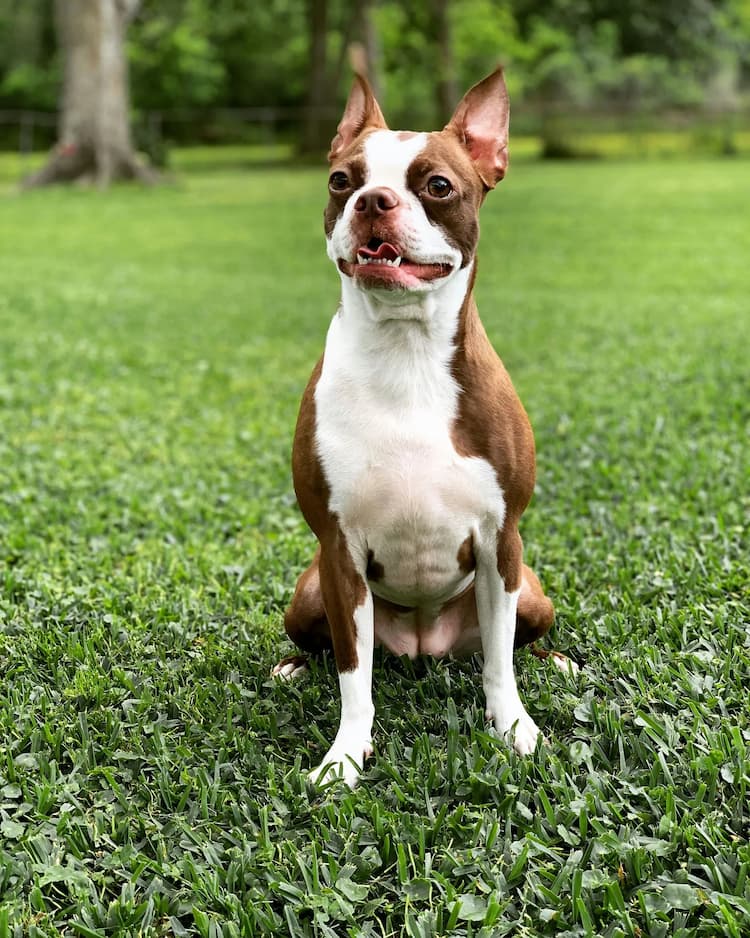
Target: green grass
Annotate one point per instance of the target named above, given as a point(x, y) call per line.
point(154, 348)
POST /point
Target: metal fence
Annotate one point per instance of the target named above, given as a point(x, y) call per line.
point(26, 127)
point(27, 131)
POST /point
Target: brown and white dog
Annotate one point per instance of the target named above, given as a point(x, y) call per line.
point(413, 457)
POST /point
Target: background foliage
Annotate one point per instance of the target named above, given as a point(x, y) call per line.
point(187, 53)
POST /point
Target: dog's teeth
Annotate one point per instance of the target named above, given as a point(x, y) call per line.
point(361, 259)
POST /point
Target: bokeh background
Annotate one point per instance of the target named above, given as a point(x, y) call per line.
point(659, 77)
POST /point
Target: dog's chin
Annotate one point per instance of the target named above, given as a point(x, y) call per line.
point(408, 277)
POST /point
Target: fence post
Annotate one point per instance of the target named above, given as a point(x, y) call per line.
point(26, 134)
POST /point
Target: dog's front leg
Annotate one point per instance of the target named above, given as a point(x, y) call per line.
point(349, 608)
point(498, 584)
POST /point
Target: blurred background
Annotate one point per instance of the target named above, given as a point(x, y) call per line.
point(586, 77)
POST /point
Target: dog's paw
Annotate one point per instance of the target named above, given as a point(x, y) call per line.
point(519, 730)
point(524, 734)
point(288, 669)
point(341, 763)
point(565, 664)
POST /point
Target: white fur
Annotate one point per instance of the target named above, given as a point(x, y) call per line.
point(289, 671)
point(496, 608)
point(353, 742)
point(564, 664)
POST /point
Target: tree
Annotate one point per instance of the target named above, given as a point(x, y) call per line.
point(94, 131)
point(368, 39)
point(355, 28)
point(315, 130)
point(446, 88)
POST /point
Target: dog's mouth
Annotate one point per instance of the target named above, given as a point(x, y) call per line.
point(380, 263)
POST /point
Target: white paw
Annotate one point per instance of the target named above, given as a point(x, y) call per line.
point(341, 764)
point(525, 735)
point(520, 730)
point(564, 664)
point(288, 669)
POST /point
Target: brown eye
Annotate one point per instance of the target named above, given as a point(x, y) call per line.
point(339, 182)
point(439, 187)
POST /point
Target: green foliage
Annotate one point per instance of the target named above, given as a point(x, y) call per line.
point(223, 53)
point(174, 61)
point(231, 53)
point(28, 67)
point(28, 85)
point(485, 32)
point(151, 775)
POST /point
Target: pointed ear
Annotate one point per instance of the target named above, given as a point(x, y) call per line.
point(362, 110)
point(481, 124)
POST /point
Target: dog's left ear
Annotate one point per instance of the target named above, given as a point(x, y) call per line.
point(481, 124)
point(362, 111)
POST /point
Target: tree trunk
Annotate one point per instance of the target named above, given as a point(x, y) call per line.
point(94, 132)
point(446, 89)
point(316, 134)
point(368, 34)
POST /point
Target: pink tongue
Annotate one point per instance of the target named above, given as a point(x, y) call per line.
point(385, 251)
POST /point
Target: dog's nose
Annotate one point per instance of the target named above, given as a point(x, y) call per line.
point(376, 202)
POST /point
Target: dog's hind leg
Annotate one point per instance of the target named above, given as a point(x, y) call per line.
point(535, 610)
point(305, 622)
point(534, 619)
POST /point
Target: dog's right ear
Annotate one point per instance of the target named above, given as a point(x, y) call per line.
point(362, 111)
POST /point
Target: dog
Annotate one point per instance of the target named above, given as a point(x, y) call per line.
point(413, 458)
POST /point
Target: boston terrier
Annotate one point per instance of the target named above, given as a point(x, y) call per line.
point(413, 457)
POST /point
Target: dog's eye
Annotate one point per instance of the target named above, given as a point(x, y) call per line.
point(339, 182)
point(439, 187)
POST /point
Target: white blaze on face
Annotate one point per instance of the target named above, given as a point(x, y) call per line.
point(388, 156)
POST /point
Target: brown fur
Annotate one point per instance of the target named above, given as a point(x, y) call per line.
point(465, 556)
point(493, 425)
point(535, 610)
point(486, 141)
point(341, 588)
point(362, 111)
point(352, 163)
point(456, 214)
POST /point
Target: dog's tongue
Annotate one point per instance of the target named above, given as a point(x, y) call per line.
point(385, 251)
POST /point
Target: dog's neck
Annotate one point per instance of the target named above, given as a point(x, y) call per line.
point(431, 312)
point(401, 351)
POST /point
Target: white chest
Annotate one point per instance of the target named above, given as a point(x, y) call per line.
point(385, 405)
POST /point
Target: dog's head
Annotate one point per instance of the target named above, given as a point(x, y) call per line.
point(403, 207)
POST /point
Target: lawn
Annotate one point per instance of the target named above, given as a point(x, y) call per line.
point(155, 346)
